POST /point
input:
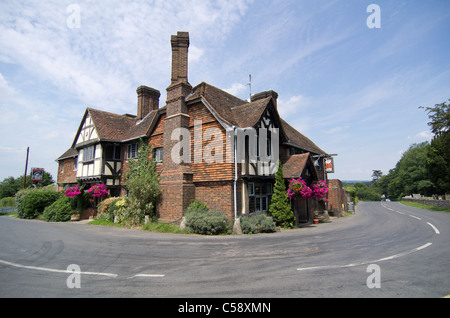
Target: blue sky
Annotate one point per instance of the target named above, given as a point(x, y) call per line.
point(353, 90)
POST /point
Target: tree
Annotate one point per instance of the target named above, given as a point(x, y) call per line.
point(143, 185)
point(409, 175)
point(438, 156)
point(440, 118)
point(376, 175)
point(437, 162)
point(10, 185)
point(279, 208)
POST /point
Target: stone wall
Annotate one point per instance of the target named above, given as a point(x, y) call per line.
point(437, 203)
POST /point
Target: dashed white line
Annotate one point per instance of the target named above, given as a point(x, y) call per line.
point(64, 271)
point(148, 275)
point(365, 263)
point(55, 270)
point(434, 228)
point(414, 217)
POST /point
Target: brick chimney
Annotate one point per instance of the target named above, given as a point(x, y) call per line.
point(180, 45)
point(148, 100)
point(179, 87)
point(176, 179)
point(265, 94)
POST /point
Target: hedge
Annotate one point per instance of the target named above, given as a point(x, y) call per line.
point(32, 202)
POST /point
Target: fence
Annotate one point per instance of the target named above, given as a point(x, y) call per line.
point(7, 210)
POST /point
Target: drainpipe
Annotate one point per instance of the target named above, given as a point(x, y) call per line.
point(235, 172)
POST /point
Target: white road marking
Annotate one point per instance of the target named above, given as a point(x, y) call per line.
point(414, 217)
point(54, 270)
point(364, 263)
point(434, 228)
point(149, 275)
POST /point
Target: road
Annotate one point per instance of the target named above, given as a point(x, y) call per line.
point(408, 246)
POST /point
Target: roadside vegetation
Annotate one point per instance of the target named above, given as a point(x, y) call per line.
point(425, 207)
point(423, 169)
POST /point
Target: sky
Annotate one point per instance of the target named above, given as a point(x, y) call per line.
point(350, 76)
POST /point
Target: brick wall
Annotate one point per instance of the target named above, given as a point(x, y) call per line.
point(337, 197)
point(66, 174)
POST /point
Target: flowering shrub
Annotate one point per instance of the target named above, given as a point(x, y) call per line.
point(320, 190)
point(72, 192)
point(98, 190)
point(298, 189)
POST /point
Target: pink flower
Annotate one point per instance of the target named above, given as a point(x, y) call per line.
point(72, 192)
point(298, 189)
point(98, 190)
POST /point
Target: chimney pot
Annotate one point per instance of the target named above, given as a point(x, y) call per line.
point(148, 100)
point(265, 94)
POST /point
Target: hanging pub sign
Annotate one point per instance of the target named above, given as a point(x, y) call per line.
point(37, 174)
point(329, 165)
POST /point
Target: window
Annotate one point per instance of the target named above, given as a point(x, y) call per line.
point(132, 150)
point(75, 163)
point(159, 155)
point(88, 154)
point(113, 152)
point(259, 195)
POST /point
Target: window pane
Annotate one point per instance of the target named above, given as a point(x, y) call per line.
point(258, 204)
point(263, 189)
point(257, 189)
point(264, 203)
point(251, 189)
point(159, 155)
point(109, 152)
point(88, 153)
point(251, 204)
point(118, 153)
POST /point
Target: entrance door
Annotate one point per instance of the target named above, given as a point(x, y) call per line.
point(300, 208)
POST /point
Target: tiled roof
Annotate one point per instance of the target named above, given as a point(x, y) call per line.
point(115, 127)
point(295, 137)
point(241, 113)
point(218, 100)
point(226, 107)
point(70, 153)
point(296, 164)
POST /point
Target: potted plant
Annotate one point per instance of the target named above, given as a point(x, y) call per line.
point(316, 218)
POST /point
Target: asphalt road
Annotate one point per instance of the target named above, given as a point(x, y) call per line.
point(397, 250)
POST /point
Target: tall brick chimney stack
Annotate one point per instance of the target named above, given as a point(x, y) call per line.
point(180, 45)
point(179, 87)
point(148, 100)
point(176, 179)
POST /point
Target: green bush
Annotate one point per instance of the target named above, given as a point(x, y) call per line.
point(260, 223)
point(106, 209)
point(196, 206)
point(59, 211)
point(8, 202)
point(206, 222)
point(32, 202)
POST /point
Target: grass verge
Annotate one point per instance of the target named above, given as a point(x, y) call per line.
point(426, 207)
point(151, 227)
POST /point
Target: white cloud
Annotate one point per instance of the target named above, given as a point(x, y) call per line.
point(237, 89)
point(421, 136)
point(293, 105)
